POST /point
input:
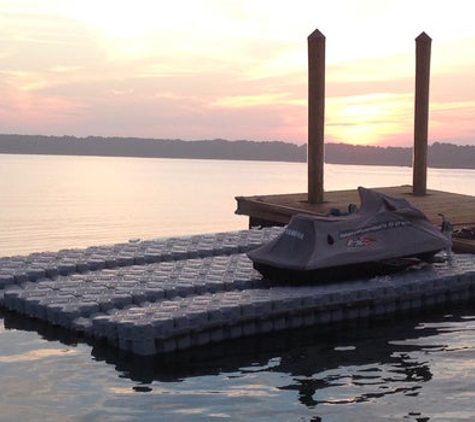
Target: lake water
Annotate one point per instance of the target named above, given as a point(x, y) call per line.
point(419, 368)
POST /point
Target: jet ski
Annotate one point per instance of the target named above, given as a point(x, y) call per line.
point(384, 235)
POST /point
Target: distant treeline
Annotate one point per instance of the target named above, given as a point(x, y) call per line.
point(441, 155)
point(218, 149)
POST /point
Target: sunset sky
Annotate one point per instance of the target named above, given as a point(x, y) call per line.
point(232, 69)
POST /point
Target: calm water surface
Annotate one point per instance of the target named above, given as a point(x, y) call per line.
point(416, 369)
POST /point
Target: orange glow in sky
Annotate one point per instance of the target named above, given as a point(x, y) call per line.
point(232, 69)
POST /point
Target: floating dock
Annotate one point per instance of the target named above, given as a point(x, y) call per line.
point(163, 295)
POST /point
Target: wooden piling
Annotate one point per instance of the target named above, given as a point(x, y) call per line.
point(316, 116)
point(421, 114)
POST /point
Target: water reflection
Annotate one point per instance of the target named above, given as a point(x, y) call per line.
point(339, 365)
point(35, 355)
point(343, 365)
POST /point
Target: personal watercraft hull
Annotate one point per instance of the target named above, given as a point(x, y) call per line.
point(386, 235)
point(339, 273)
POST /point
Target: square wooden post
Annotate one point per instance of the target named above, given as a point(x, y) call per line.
point(316, 116)
point(421, 114)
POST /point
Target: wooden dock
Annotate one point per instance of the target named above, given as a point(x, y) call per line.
point(272, 210)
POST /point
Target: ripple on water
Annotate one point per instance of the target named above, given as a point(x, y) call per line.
point(417, 369)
